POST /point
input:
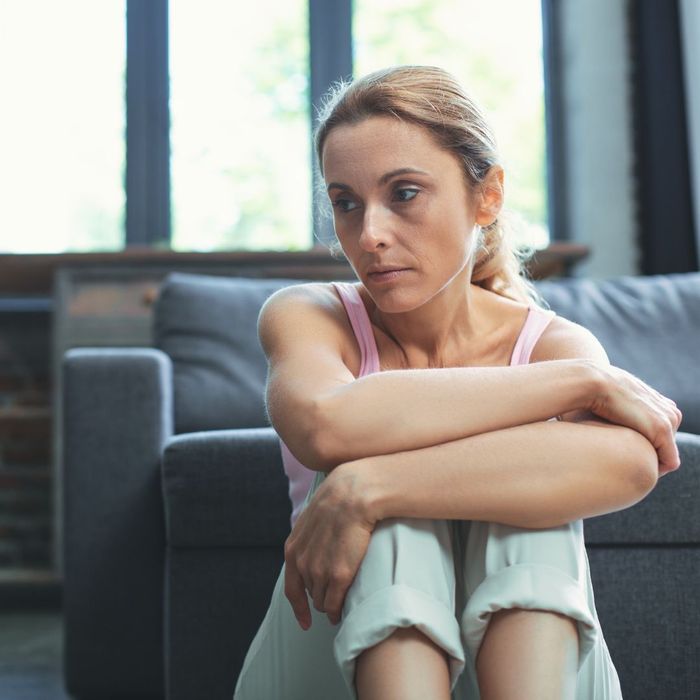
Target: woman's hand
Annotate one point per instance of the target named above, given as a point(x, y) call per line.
point(327, 544)
point(624, 399)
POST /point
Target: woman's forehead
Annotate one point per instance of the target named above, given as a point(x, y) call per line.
point(381, 144)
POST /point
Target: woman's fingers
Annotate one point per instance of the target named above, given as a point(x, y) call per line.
point(664, 440)
point(295, 591)
point(631, 402)
point(295, 583)
point(669, 458)
point(305, 571)
point(326, 547)
point(316, 585)
point(679, 416)
point(335, 595)
point(327, 596)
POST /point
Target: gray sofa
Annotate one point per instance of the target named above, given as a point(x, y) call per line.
point(176, 506)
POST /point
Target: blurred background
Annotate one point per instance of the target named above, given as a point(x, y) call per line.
point(138, 137)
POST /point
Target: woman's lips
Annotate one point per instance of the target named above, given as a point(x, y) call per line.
point(387, 276)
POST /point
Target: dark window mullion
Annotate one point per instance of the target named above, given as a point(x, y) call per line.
point(662, 168)
point(330, 58)
point(557, 206)
point(147, 119)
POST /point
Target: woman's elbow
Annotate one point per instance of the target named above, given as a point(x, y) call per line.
point(641, 464)
point(305, 436)
point(312, 451)
point(324, 441)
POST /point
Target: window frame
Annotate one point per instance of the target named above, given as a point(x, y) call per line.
point(147, 174)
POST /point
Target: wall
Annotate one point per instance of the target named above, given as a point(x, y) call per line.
point(598, 135)
point(690, 27)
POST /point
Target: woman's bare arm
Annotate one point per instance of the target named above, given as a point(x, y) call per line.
point(326, 416)
point(539, 475)
point(407, 409)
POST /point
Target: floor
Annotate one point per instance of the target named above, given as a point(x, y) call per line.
point(31, 645)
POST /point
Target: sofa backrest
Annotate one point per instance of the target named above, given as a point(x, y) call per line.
point(208, 327)
point(649, 326)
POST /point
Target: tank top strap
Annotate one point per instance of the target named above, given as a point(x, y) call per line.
point(361, 326)
point(537, 320)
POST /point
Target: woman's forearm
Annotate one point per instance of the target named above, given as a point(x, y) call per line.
point(399, 410)
point(539, 475)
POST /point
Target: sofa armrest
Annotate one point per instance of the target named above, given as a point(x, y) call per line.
point(225, 488)
point(227, 517)
point(117, 415)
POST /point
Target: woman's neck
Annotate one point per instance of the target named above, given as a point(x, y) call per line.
point(442, 331)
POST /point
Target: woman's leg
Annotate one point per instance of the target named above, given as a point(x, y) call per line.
point(285, 662)
point(529, 621)
point(399, 627)
point(528, 654)
point(404, 666)
point(400, 608)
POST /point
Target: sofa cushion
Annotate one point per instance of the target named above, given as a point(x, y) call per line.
point(225, 488)
point(649, 326)
point(208, 327)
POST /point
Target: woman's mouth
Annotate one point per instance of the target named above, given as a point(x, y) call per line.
point(387, 276)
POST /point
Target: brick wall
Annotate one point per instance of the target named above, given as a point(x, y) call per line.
point(26, 500)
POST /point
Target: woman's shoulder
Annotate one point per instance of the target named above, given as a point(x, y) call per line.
point(310, 297)
point(310, 309)
point(563, 339)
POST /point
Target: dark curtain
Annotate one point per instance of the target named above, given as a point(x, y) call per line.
point(662, 171)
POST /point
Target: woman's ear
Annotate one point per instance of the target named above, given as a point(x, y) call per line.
point(490, 200)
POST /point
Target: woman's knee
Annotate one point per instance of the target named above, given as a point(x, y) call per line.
point(406, 664)
point(528, 653)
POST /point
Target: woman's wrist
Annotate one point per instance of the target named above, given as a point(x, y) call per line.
point(360, 484)
point(593, 382)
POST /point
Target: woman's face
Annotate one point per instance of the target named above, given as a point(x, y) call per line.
point(399, 201)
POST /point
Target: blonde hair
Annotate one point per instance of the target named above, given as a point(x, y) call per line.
point(432, 98)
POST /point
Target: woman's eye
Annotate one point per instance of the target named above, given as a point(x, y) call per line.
point(345, 205)
point(405, 194)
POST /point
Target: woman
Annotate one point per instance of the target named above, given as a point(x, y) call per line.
point(441, 541)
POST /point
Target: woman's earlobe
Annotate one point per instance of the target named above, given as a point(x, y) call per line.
point(491, 197)
point(487, 215)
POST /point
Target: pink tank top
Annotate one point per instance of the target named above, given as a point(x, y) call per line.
point(300, 478)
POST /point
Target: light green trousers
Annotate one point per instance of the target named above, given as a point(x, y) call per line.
point(444, 577)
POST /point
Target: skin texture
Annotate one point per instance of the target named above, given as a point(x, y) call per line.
point(401, 200)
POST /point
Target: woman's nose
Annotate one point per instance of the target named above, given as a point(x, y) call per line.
point(375, 228)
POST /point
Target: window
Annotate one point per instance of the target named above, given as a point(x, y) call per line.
point(499, 60)
point(239, 111)
point(236, 90)
point(62, 72)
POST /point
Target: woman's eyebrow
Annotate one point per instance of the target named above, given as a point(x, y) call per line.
point(337, 186)
point(382, 180)
point(400, 171)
